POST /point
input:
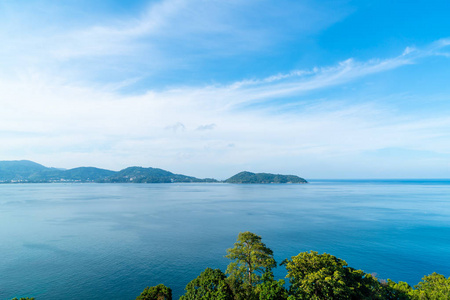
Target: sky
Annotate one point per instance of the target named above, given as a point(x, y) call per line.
point(207, 88)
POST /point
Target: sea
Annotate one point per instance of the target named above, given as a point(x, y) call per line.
point(110, 241)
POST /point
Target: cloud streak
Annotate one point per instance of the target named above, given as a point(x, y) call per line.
point(173, 37)
point(101, 127)
point(119, 92)
point(299, 82)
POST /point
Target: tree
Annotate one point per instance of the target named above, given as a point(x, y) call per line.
point(250, 259)
point(271, 289)
point(159, 292)
point(434, 286)
point(398, 291)
point(324, 276)
point(210, 284)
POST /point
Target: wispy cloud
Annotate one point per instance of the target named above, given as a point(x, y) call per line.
point(122, 37)
point(176, 127)
point(101, 127)
point(63, 101)
point(169, 36)
point(299, 82)
point(229, 25)
point(206, 127)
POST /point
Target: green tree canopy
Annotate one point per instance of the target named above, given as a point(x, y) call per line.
point(158, 292)
point(324, 276)
point(210, 284)
point(251, 258)
point(398, 291)
point(434, 286)
point(271, 289)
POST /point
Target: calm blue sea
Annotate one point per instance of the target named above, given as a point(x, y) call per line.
point(110, 241)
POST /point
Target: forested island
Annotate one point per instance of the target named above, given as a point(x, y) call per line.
point(248, 177)
point(310, 275)
point(25, 171)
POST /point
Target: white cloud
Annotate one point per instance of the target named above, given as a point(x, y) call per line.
point(63, 125)
point(176, 127)
point(50, 114)
point(169, 35)
point(227, 24)
point(206, 127)
point(119, 38)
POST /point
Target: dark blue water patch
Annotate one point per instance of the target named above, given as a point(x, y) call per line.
point(98, 241)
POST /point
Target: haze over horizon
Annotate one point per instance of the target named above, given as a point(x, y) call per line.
point(319, 89)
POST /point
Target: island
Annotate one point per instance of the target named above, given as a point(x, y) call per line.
point(249, 177)
point(25, 171)
point(151, 175)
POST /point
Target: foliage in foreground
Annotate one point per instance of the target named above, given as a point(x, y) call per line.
point(311, 276)
point(210, 284)
point(314, 276)
point(250, 259)
point(158, 292)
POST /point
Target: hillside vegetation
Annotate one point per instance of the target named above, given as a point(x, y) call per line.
point(248, 177)
point(151, 175)
point(28, 171)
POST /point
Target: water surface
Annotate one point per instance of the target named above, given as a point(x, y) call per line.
point(110, 241)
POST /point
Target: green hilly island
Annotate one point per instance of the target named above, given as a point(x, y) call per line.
point(28, 171)
point(248, 177)
point(151, 175)
point(25, 171)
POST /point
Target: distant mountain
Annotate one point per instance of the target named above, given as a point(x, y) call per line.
point(151, 175)
point(248, 177)
point(84, 174)
point(28, 171)
point(17, 170)
point(87, 174)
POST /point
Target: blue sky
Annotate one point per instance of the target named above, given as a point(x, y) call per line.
point(320, 89)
